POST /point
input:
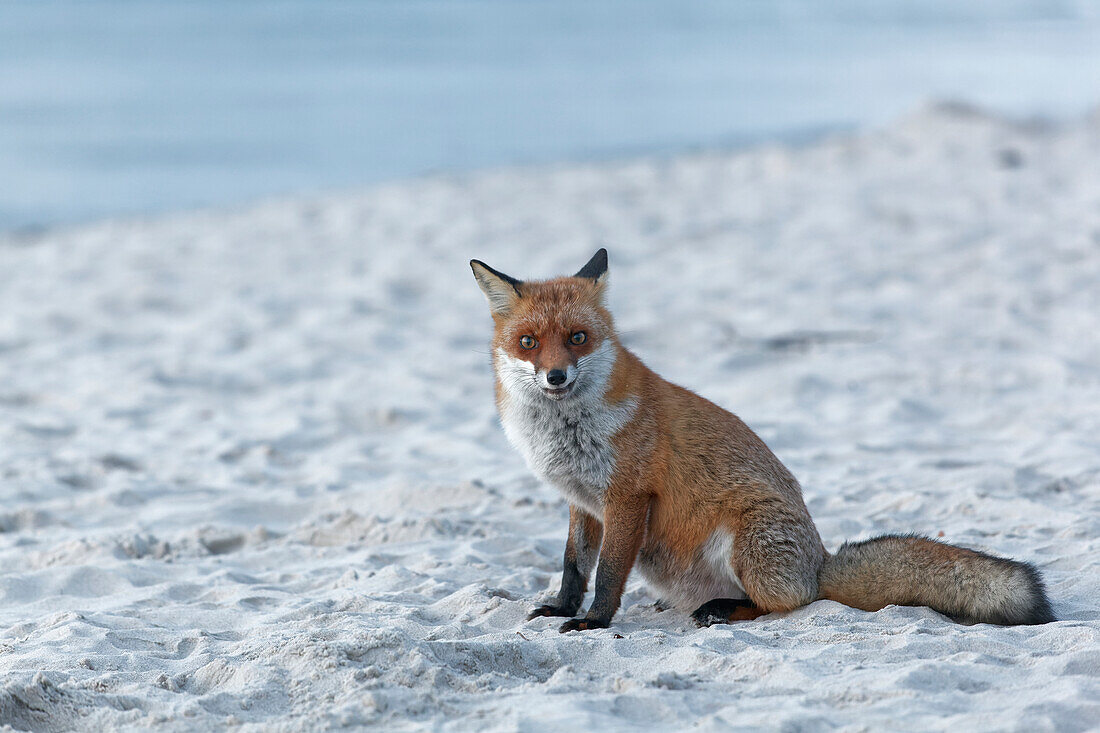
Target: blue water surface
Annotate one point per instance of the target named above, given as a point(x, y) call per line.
point(118, 107)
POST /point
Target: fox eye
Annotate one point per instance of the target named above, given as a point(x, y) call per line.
point(578, 338)
point(528, 342)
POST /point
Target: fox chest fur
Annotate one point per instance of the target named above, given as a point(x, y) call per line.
point(569, 444)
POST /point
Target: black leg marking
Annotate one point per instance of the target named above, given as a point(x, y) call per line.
point(722, 611)
point(583, 624)
point(569, 597)
point(581, 550)
point(610, 578)
point(624, 525)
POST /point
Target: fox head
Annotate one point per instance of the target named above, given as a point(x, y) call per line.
point(553, 339)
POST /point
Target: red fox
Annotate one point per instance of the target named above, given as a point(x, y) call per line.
point(658, 477)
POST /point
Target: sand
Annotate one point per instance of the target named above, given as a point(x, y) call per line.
point(253, 477)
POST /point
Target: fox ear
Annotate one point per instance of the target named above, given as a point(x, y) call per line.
point(500, 290)
point(596, 270)
point(596, 267)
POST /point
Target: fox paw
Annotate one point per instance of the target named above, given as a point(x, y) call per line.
point(550, 610)
point(725, 611)
point(706, 619)
point(583, 624)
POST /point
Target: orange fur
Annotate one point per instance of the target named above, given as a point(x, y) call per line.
point(680, 485)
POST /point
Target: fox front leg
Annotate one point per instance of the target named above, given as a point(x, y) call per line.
point(581, 549)
point(624, 527)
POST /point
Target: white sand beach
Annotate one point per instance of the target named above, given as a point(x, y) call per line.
point(253, 478)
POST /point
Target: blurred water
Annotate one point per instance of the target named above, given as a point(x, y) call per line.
point(122, 106)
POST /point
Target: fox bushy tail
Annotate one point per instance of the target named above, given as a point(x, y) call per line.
point(967, 585)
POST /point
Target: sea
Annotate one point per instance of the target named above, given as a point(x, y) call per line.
point(131, 107)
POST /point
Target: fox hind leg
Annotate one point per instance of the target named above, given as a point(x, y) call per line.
point(725, 611)
point(777, 556)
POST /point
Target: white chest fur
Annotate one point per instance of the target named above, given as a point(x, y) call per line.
point(566, 443)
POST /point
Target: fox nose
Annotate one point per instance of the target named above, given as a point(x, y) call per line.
point(555, 377)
